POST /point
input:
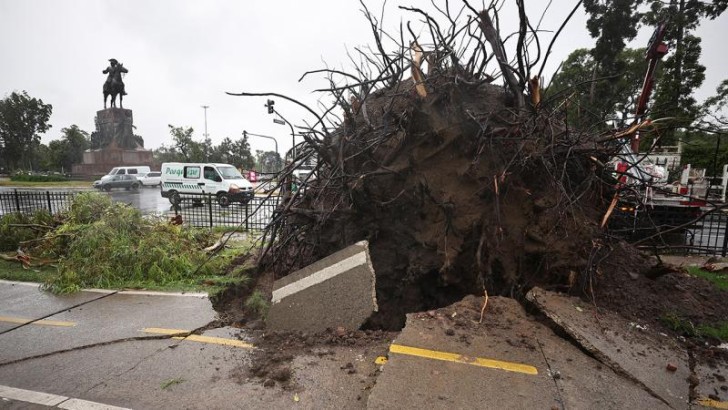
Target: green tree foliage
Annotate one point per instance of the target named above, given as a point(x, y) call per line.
point(715, 109)
point(69, 149)
point(682, 72)
point(185, 145)
point(268, 161)
point(612, 23)
point(704, 150)
point(589, 106)
point(22, 120)
point(186, 149)
point(233, 152)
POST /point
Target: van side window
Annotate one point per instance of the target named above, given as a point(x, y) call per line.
point(132, 170)
point(210, 173)
point(192, 172)
point(121, 172)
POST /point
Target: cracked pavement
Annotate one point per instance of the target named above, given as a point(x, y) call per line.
point(148, 350)
point(106, 348)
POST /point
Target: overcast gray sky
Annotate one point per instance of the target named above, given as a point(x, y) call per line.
point(183, 54)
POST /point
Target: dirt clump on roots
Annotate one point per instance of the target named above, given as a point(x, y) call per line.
point(457, 194)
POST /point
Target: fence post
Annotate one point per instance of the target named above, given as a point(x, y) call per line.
point(48, 197)
point(17, 200)
point(209, 206)
point(725, 233)
point(247, 217)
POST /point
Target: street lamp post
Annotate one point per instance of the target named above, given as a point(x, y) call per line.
point(205, 107)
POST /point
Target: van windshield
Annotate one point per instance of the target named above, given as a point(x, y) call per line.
point(229, 173)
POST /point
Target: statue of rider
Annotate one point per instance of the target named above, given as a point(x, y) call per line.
point(114, 73)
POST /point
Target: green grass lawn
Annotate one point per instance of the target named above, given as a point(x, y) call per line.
point(15, 271)
point(63, 184)
point(720, 280)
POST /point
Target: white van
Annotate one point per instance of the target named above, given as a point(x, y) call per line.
point(221, 180)
point(127, 170)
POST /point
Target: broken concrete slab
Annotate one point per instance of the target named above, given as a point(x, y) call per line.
point(474, 364)
point(654, 361)
point(338, 290)
point(712, 388)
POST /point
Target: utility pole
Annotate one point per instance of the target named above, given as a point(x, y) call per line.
point(206, 135)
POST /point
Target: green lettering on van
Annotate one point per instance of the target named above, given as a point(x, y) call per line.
point(193, 172)
point(173, 171)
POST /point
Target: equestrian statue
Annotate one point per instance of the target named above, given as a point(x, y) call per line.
point(114, 85)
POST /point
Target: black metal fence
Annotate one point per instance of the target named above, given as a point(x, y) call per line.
point(198, 210)
point(27, 202)
point(697, 232)
point(203, 210)
point(709, 236)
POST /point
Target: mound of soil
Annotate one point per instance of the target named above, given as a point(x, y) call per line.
point(664, 298)
point(271, 362)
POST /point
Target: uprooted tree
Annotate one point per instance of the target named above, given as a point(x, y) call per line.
point(461, 186)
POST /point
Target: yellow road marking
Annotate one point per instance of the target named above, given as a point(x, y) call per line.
point(198, 338)
point(713, 403)
point(21, 321)
point(458, 358)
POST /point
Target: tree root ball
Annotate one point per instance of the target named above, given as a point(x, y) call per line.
point(457, 193)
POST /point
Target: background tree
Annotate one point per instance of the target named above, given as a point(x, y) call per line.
point(682, 72)
point(186, 149)
point(222, 152)
point(167, 154)
point(241, 156)
point(69, 149)
point(268, 161)
point(613, 23)
point(714, 112)
point(189, 149)
point(43, 158)
point(615, 103)
point(22, 120)
point(233, 152)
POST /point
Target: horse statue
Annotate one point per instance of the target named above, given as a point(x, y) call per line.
point(114, 85)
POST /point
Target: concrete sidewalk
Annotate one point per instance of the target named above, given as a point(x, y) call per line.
point(447, 359)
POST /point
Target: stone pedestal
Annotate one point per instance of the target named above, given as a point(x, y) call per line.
point(115, 124)
point(115, 127)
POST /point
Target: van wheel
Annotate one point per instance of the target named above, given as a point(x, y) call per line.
point(174, 198)
point(223, 200)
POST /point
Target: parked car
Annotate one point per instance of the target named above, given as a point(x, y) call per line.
point(151, 179)
point(118, 181)
point(126, 170)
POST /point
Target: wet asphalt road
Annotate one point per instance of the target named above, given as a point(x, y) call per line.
point(148, 200)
